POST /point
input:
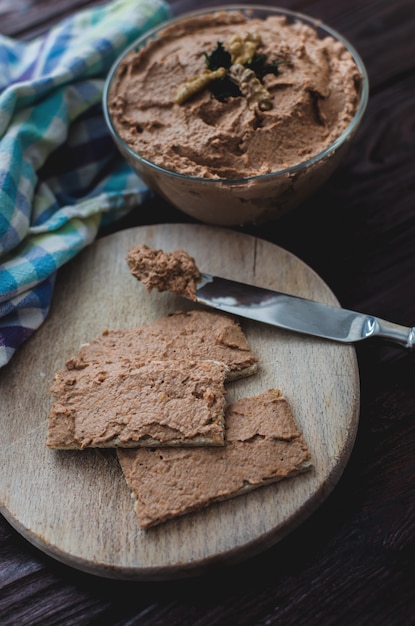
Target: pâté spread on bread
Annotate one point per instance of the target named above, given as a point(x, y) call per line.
point(226, 95)
point(191, 335)
point(129, 404)
point(156, 384)
point(262, 445)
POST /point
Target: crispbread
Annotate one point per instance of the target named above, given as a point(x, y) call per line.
point(262, 445)
point(189, 335)
point(126, 404)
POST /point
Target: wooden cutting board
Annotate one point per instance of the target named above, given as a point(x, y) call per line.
point(75, 505)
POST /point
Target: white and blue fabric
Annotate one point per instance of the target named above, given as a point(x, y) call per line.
point(61, 176)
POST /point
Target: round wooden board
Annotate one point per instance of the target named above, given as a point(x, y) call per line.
point(76, 506)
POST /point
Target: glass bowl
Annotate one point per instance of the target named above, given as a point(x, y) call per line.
point(253, 198)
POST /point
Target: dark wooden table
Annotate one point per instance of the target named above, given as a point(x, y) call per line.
point(353, 561)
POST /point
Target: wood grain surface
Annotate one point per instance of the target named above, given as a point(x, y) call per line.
point(76, 506)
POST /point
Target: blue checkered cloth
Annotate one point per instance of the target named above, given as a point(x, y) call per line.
point(61, 177)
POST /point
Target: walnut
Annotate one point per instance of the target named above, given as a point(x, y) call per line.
point(251, 87)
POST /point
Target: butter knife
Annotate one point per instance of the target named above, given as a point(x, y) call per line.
point(297, 314)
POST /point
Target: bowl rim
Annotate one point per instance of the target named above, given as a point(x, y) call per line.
point(317, 23)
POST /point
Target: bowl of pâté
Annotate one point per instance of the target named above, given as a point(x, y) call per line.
point(239, 114)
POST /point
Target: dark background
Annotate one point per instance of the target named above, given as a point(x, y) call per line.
point(353, 561)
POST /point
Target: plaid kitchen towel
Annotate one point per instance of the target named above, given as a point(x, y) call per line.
point(61, 177)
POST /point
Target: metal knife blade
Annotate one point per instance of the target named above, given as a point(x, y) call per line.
point(297, 314)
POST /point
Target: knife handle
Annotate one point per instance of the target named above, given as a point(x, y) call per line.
point(402, 335)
